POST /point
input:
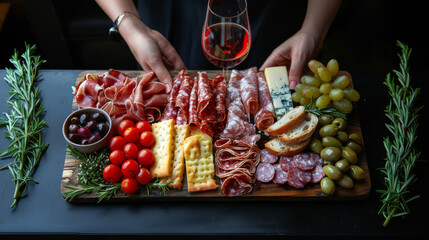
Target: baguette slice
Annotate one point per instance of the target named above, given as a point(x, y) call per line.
point(276, 147)
point(288, 121)
point(300, 132)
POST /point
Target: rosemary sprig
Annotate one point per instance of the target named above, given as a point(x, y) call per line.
point(311, 108)
point(156, 183)
point(23, 123)
point(400, 154)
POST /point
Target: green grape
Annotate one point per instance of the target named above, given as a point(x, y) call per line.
point(322, 101)
point(311, 92)
point(324, 73)
point(296, 97)
point(344, 105)
point(336, 94)
point(333, 67)
point(351, 94)
point(341, 82)
point(299, 87)
point(310, 80)
point(314, 65)
point(325, 88)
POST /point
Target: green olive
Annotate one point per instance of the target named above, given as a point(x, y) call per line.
point(343, 165)
point(345, 182)
point(332, 172)
point(341, 123)
point(325, 119)
point(331, 142)
point(328, 130)
point(327, 185)
point(343, 105)
point(356, 172)
point(356, 147)
point(316, 145)
point(356, 137)
point(342, 136)
point(350, 155)
point(328, 163)
point(331, 154)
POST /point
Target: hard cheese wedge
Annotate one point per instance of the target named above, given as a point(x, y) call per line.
point(278, 84)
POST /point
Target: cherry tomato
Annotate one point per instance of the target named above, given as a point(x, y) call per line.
point(143, 126)
point(131, 151)
point(145, 157)
point(117, 157)
point(130, 168)
point(112, 173)
point(147, 139)
point(129, 185)
point(131, 134)
point(124, 124)
point(144, 176)
point(117, 142)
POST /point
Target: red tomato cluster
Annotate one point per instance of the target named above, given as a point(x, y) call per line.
point(131, 156)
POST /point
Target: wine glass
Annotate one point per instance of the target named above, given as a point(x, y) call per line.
point(226, 36)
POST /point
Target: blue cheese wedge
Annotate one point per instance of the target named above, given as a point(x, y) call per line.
point(278, 84)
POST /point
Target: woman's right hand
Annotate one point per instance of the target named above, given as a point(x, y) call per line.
point(151, 50)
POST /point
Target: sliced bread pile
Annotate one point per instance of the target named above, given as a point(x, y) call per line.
point(292, 132)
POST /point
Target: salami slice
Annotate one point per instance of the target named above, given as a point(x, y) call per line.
point(177, 82)
point(236, 127)
point(233, 88)
point(281, 176)
point(294, 182)
point(303, 176)
point(234, 186)
point(317, 173)
point(193, 103)
point(304, 161)
point(181, 118)
point(170, 112)
point(267, 157)
point(265, 172)
point(265, 116)
point(206, 107)
point(249, 91)
point(220, 94)
point(286, 163)
point(183, 97)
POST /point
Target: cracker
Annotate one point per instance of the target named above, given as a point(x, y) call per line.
point(163, 148)
point(200, 170)
point(178, 164)
point(194, 131)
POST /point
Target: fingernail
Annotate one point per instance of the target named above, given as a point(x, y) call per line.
point(292, 85)
point(167, 88)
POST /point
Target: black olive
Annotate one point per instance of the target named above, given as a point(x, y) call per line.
point(74, 137)
point(73, 128)
point(94, 137)
point(102, 128)
point(84, 118)
point(91, 125)
point(85, 141)
point(74, 120)
point(98, 117)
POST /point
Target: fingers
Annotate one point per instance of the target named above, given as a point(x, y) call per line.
point(169, 52)
point(295, 71)
point(157, 66)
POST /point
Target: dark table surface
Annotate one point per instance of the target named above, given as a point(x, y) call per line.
point(43, 211)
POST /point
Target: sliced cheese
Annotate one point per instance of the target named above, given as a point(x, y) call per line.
point(278, 84)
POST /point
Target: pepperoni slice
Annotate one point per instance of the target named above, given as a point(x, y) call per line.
point(265, 172)
point(267, 157)
point(280, 176)
point(304, 161)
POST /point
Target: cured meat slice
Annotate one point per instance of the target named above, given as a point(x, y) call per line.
point(236, 127)
point(183, 97)
point(294, 182)
point(220, 94)
point(193, 104)
point(207, 128)
point(267, 157)
point(318, 159)
point(303, 176)
point(177, 82)
point(233, 88)
point(234, 186)
point(181, 118)
point(286, 163)
point(152, 88)
point(281, 176)
point(170, 112)
point(206, 110)
point(87, 93)
point(249, 91)
point(304, 161)
point(265, 116)
point(317, 173)
point(265, 172)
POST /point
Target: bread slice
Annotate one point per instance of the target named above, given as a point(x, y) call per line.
point(276, 147)
point(288, 121)
point(300, 132)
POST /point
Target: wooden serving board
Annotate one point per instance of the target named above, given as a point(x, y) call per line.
point(261, 191)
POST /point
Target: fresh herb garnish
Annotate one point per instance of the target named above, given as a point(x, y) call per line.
point(23, 123)
point(311, 108)
point(401, 156)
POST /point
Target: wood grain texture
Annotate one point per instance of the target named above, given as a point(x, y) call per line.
point(265, 192)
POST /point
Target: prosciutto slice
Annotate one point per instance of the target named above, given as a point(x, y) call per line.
point(265, 116)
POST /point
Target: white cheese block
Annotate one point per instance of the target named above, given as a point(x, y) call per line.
point(278, 84)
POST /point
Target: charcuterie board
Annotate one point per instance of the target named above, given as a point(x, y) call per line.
point(261, 191)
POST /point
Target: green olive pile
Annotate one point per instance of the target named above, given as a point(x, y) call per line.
point(339, 151)
point(326, 87)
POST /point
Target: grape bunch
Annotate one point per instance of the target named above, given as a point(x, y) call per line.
point(326, 86)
